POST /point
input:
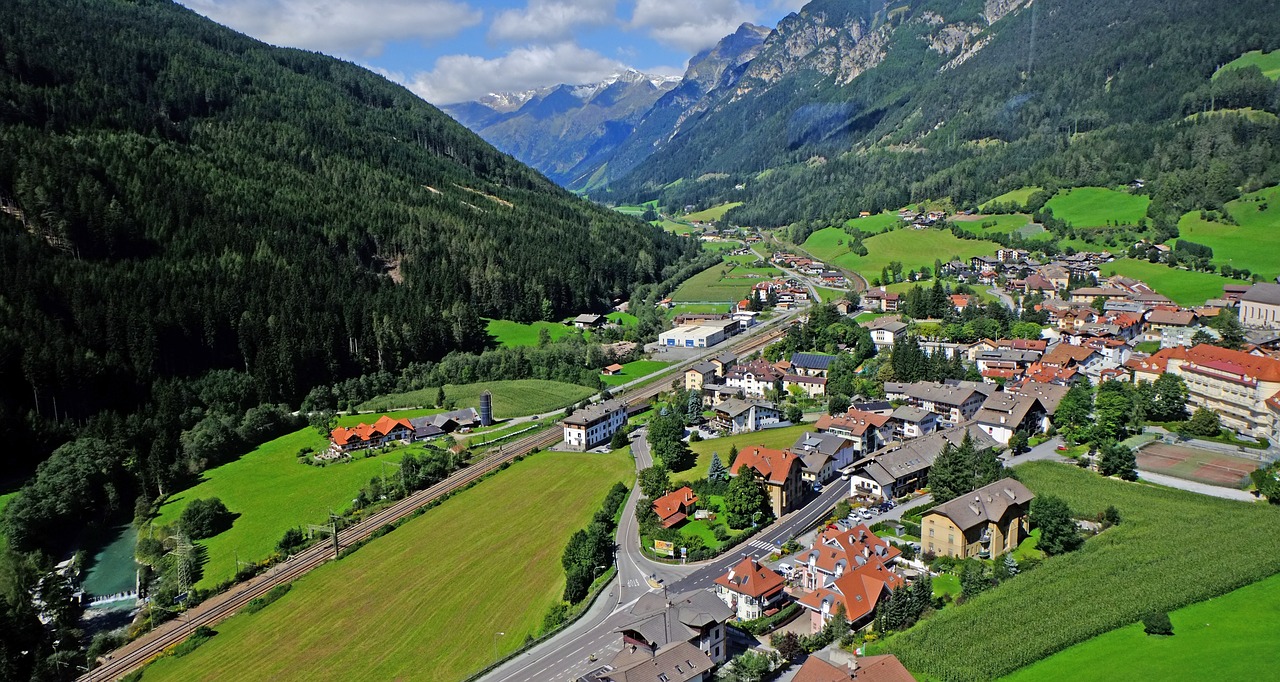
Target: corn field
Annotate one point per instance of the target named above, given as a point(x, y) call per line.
point(1172, 549)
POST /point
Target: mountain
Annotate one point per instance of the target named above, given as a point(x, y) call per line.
point(192, 218)
point(564, 128)
point(900, 102)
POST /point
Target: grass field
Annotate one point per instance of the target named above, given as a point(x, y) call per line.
point(510, 333)
point(913, 248)
point(429, 596)
point(769, 438)
point(1269, 62)
point(1098, 206)
point(1004, 223)
point(828, 244)
point(622, 319)
point(634, 370)
point(637, 209)
point(1225, 635)
point(1252, 244)
point(514, 398)
point(1183, 286)
point(874, 224)
point(713, 213)
point(673, 226)
point(1018, 196)
point(722, 282)
point(1140, 565)
point(722, 245)
point(698, 308)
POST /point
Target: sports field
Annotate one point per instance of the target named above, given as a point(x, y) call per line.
point(1205, 466)
point(1254, 243)
point(508, 333)
point(427, 600)
point(1098, 206)
point(1228, 635)
point(725, 282)
point(632, 371)
point(1018, 196)
point(514, 398)
point(1269, 62)
point(914, 249)
point(769, 438)
point(713, 213)
point(1183, 286)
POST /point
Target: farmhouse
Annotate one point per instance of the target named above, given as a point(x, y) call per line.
point(594, 425)
point(750, 589)
point(781, 472)
point(673, 508)
point(985, 523)
point(386, 430)
point(612, 370)
point(588, 321)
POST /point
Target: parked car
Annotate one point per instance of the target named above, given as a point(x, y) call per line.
point(844, 475)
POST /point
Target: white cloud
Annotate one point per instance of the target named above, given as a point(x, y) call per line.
point(790, 5)
point(342, 27)
point(460, 77)
point(550, 20)
point(691, 25)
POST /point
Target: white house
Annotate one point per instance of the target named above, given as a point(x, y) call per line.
point(594, 425)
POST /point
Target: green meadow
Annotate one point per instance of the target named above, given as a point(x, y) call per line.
point(511, 398)
point(1098, 206)
point(712, 214)
point(1183, 286)
point(1253, 243)
point(1269, 62)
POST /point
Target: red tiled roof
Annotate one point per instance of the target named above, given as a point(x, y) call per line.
point(1065, 354)
point(774, 465)
point(885, 668)
point(673, 503)
point(1253, 366)
point(854, 421)
point(817, 670)
point(859, 590)
point(748, 577)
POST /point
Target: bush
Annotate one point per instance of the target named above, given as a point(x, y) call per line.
point(721, 533)
point(1157, 623)
point(766, 624)
point(265, 600)
point(201, 635)
point(205, 518)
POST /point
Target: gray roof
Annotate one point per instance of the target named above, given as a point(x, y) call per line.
point(811, 360)
point(985, 505)
point(726, 358)
point(814, 460)
point(897, 462)
point(704, 368)
point(887, 323)
point(593, 413)
point(911, 414)
point(1006, 409)
point(939, 393)
point(1263, 292)
point(661, 622)
point(1049, 395)
point(1009, 355)
point(736, 406)
point(826, 443)
point(677, 662)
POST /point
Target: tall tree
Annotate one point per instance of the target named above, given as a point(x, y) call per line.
point(1058, 531)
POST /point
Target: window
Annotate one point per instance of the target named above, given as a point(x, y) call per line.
point(951, 538)
point(930, 532)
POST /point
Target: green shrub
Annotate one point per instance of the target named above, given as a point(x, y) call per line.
point(262, 602)
point(201, 635)
point(205, 518)
point(1157, 623)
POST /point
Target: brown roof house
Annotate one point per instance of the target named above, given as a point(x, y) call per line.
point(885, 668)
point(656, 621)
point(984, 523)
point(750, 589)
point(673, 508)
point(781, 472)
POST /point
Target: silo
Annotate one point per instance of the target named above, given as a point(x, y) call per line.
point(486, 409)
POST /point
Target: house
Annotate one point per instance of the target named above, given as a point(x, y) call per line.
point(1260, 306)
point(1036, 283)
point(343, 440)
point(953, 403)
point(883, 668)
point(737, 415)
point(750, 589)
point(753, 378)
point(1234, 384)
point(839, 448)
point(810, 386)
point(850, 567)
point(884, 301)
point(903, 467)
point(867, 431)
point(1006, 358)
point(913, 422)
point(655, 621)
point(1090, 294)
point(678, 662)
point(811, 364)
point(723, 362)
point(1234, 292)
point(673, 508)
point(699, 374)
point(886, 331)
point(961, 301)
point(845, 306)
point(588, 321)
point(612, 370)
point(716, 394)
point(594, 425)
point(781, 473)
point(984, 523)
point(1048, 394)
point(1003, 414)
point(1066, 355)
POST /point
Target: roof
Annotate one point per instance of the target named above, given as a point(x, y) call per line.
point(703, 368)
point(889, 323)
point(811, 360)
point(1177, 318)
point(725, 358)
point(942, 394)
point(987, 504)
point(736, 406)
point(615, 367)
point(1262, 292)
point(588, 318)
point(817, 670)
point(901, 461)
point(1049, 395)
point(1257, 367)
point(884, 668)
point(673, 503)
point(858, 589)
point(1006, 409)
point(1023, 344)
point(801, 379)
point(907, 413)
point(748, 577)
point(1065, 354)
point(826, 443)
point(593, 413)
point(678, 662)
point(661, 622)
point(363, 432)
point(856, 422)
point(774, 465)
point(1099, 291)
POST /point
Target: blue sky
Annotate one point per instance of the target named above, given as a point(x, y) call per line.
point(453, 50)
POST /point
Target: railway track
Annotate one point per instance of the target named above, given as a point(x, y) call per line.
point(224, 605)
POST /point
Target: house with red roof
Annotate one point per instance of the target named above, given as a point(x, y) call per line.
point(344, 440)
point(752, 590)
point(781, 472)
point(674, 507)
point(1234, 384)
point(846, 566)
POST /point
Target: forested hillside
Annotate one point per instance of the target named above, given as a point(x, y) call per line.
point(195, 222)
point(898, 102)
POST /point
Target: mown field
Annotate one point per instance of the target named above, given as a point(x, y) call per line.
point(874, 224)
point(1018, 196)
point(769, 438)
point(1183, 286)
point(722, 282)
point(1098, 206)
point(1004, 223)
point(711, 214)
point(913, 248)
point(1231, 635)
point(425, 601)
point(1269, 62)
point(514, 398)
point(508, 333)
point(634, 370)
point(903, 287)
point(1147, 562)
point(1254, 243)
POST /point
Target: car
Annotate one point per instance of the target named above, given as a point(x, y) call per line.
point(844, 475)
point(817, 487)
point(866, 514)
point(784, 569)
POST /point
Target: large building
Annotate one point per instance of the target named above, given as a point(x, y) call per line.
point(1260, 306)
point(657, 621)
point(1004, 414)
point(594, 425)
point(782, 474)
point(984, 523)
point(701, 336)
point(1234, 384)
point(954, 403)
point(849, 567)
point(737, 415)
point(750, 589)
point(901, 468)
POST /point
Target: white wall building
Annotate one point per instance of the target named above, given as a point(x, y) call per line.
point(594, 425)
